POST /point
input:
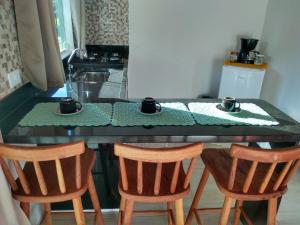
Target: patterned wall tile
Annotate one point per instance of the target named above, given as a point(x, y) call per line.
point(9, 46)
point(107, 22)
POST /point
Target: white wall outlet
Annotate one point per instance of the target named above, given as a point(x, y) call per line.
point(14, 78)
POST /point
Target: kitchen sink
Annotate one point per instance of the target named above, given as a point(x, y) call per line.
point(87, 84)
point(91, 76)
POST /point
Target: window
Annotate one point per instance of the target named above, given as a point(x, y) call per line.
point(63, 22)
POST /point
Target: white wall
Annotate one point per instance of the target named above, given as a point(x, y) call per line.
point(177, 47)
point(281, 41)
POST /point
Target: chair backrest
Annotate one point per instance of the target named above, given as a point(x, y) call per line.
point(158, 156)
point(288, 157)
point(36, 155)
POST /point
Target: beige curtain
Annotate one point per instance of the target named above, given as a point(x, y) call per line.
point(10, 211)
point(38, 43)
point(78, 20)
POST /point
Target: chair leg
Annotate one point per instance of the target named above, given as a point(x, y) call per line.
point(179, 212)
point(225, 211)
point(170, 213)
point(121, 211)
point(272, 210)
point(237, 212)
point(197, 197)
point(26, 208)
point(78, 210)
point(128, 212)
point(47, 214)
point(95, 201)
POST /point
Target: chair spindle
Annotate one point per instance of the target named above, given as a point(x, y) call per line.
point(40, 177)
point(140, 177)
point(267, 178)
point(175, 177)
point(60, 176)
point(292, 172)
point(232, 173)
point(22, 177)
point(282, 175)
point(123, 173)
point(189, 172)
point(250, 177)
point(157, 178)
point(78, 171)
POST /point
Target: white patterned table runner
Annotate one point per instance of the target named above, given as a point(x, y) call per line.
point(251, 114)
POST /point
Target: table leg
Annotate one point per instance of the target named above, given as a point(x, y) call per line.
point(103, 158)
point(179, 212)
point(258, 211)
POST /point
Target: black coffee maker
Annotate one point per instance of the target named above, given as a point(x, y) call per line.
point(247, 45)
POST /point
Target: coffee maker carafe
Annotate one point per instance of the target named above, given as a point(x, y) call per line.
point(247, 45)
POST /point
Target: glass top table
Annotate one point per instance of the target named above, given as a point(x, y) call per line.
point(288, 129)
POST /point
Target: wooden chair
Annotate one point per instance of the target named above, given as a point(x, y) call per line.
point(153, 176)
point(247, 174)
point(52, 174)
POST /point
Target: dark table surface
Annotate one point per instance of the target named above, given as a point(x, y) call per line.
point(287, 131)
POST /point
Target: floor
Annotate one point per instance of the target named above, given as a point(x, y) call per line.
point(288, 213)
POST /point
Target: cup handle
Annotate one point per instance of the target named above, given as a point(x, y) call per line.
point(239, 105)
point(159, 107)
point(80, 105)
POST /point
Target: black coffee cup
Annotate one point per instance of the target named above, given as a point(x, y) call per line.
point(149, 105)
point(230, 104)
point(69, 105)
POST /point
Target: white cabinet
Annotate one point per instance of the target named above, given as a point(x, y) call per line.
point(241, 82)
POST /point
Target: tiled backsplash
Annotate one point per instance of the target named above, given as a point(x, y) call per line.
point(9, 46)
point(107, 22)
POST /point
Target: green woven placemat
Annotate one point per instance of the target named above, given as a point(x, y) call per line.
point(93, 114)
point(251, 114)
point(127, 114)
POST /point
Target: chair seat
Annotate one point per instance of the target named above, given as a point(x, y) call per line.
point(49, 172)
point(219, 161)
point(149, 171)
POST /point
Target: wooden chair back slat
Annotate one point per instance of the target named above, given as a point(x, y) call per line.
point(40, 177)
point(163, 155)
point(157, 178)
point(60, 176)
point(123, 173)
point(250, 177)
point(265, 156)
point(8, 175)
point(232, 173)
point(22, 177)
point(190, 172)
point(43, 153)
point(140, 177)
point(175, 177)
point(158, 156)
point(267, 178)
point(78, 172)
point(289, 156)
point(282, 175)
point(37, 156)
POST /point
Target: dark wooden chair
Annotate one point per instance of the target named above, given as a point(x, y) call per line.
point(52, 174)
point(247, 174)
point(155, 176)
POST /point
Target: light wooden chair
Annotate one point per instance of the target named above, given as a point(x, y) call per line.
point(155, 176)
point(52, 174)
point(246, 174)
